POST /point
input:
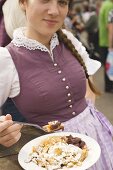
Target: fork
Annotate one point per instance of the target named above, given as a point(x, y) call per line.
point(42, 131)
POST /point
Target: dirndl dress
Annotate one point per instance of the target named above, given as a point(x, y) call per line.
point(93, 123)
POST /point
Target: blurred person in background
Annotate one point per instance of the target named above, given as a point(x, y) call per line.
point(110, 30)
point(109, 60)
point(78, 24)
point(91, 26)
point(104, 40)
point(70, 19)
point(98, 4)
point(73, 21)
point(85, 12)
point(11, 17)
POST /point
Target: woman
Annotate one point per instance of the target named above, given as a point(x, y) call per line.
point(110, 30)
point(48, 70)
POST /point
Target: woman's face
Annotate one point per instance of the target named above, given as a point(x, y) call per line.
point(44, 17)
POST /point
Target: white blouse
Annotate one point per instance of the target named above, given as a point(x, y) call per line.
point(9, 80)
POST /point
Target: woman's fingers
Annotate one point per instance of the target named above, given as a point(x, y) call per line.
point(10, 138)
point(4, 125)
point(11, 129)
point(8, 117)
point(12, 141)
point(6, 121)
point(9, 132)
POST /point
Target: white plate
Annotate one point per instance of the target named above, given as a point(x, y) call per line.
point(93, 153)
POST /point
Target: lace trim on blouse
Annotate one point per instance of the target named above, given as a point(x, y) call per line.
point(21, 41)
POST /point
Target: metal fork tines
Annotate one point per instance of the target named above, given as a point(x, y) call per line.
point(42, 131)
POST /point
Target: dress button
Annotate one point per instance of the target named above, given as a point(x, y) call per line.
point(70, 106)
point(73, 113)
point(67, 87)
point(69, 101)
point(59, 72)
point(69, 94)
point(55, 64)
point(64, 79)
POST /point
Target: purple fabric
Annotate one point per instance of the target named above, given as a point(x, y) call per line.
point(104, 121)
point(89, 123)
point(4, 38)
point(43, 95)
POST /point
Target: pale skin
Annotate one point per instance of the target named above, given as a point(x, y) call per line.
point(89, 93)
point(9, 132)
point(44, 18)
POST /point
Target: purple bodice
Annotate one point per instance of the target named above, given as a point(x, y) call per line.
point(49, 90)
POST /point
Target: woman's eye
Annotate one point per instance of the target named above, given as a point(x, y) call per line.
point(60, 2)
point(45, 1)
point(63, 2)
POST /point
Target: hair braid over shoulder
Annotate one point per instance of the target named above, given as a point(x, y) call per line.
point(63, 38)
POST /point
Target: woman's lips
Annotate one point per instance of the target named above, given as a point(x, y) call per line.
point(51, 22)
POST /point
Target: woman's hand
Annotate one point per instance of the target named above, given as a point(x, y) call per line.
point(9, 132)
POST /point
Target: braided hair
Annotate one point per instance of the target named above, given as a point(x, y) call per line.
point(63, 38)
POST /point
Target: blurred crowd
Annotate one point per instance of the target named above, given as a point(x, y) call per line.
point(92, 23)
point(82, 20)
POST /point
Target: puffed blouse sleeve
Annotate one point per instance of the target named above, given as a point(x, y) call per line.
point(91, 65)
point(9, 82)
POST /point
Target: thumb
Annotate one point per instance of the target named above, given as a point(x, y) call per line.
point(8, 117)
